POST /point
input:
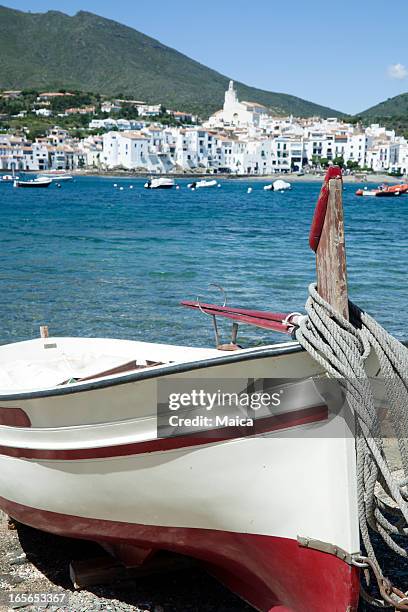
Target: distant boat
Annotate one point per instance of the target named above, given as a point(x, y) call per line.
point(9, 178)
point(160, 183)
point(59, 177)
point(202, 184)
point(384, 191)
point(278, 185)
point(366, 192)
point(35, 183)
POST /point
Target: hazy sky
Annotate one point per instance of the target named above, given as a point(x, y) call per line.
point(347, 55)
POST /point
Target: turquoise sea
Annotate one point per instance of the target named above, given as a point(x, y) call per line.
point(90, 259)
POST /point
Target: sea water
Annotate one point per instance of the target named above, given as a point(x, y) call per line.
point(91, 259)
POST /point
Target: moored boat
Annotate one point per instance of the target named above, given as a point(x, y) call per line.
point(33, 183)
point(366, 192)
point(160, 183)
point(9, 178)
point(384, 191)
point(278, 185)
point(204, 184)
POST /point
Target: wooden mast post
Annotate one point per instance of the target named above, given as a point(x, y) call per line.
point(328, 241)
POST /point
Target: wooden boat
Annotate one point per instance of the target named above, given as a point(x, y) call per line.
point(160, 183)
point(40, 182)
point(269, 508)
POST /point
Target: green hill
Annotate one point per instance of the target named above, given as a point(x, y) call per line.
point(393, 107)
point(90, 53)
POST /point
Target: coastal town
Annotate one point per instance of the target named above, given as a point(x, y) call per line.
point(242, 139)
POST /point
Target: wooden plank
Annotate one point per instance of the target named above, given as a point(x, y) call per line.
point(331, 264)
point(216, 309)
point(265, 320)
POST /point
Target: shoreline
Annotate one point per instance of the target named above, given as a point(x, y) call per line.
point(306, 178)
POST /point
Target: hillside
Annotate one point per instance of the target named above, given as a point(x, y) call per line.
point(393, 107)
point(90, 53)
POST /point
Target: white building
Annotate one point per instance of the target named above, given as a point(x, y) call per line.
point(236, 113)
point(43, 112)
point(125, 149)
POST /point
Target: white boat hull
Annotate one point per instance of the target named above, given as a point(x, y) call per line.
point(160, 183)
point(203, 184)
point(87, 462)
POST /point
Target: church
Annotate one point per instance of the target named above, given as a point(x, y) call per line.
point(235, 113)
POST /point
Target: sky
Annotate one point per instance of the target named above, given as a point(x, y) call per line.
point(348, 55)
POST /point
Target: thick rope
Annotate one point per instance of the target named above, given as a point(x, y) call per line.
point(342, 348)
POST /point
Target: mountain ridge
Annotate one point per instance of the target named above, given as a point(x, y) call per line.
point(88, 52)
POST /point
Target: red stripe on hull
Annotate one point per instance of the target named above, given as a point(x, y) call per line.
point(269, 572)
point(273, 423)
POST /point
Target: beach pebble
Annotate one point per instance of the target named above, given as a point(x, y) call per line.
point(20, 560)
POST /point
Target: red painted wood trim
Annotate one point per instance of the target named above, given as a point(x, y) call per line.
point(321, 208)
point(269, 424)
point(14, 417)
point(265, 320)
point(270, 316)
point(267, 571)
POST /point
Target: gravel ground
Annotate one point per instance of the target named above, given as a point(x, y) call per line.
point(35, 562)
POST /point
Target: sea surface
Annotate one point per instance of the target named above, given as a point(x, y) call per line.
point(91, 259)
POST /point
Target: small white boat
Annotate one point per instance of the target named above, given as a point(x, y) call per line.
point(9, 178)
point(34, 183)
point(278, 185)
point(203, 184)
point(160, 183)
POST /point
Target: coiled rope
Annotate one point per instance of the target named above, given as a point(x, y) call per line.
point(342, 348)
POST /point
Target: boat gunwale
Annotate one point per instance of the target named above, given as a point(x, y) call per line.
point(156, 372)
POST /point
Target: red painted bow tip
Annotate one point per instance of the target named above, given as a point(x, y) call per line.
point(321, 207)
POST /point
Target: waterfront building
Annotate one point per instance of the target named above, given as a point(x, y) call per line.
point(126, 149)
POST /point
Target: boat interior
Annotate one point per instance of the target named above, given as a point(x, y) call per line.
point(45, 363)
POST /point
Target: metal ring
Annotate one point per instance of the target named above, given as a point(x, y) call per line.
point(222, 291)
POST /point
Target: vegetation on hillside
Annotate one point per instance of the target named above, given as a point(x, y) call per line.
point(19, 114)
point(87, 52)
